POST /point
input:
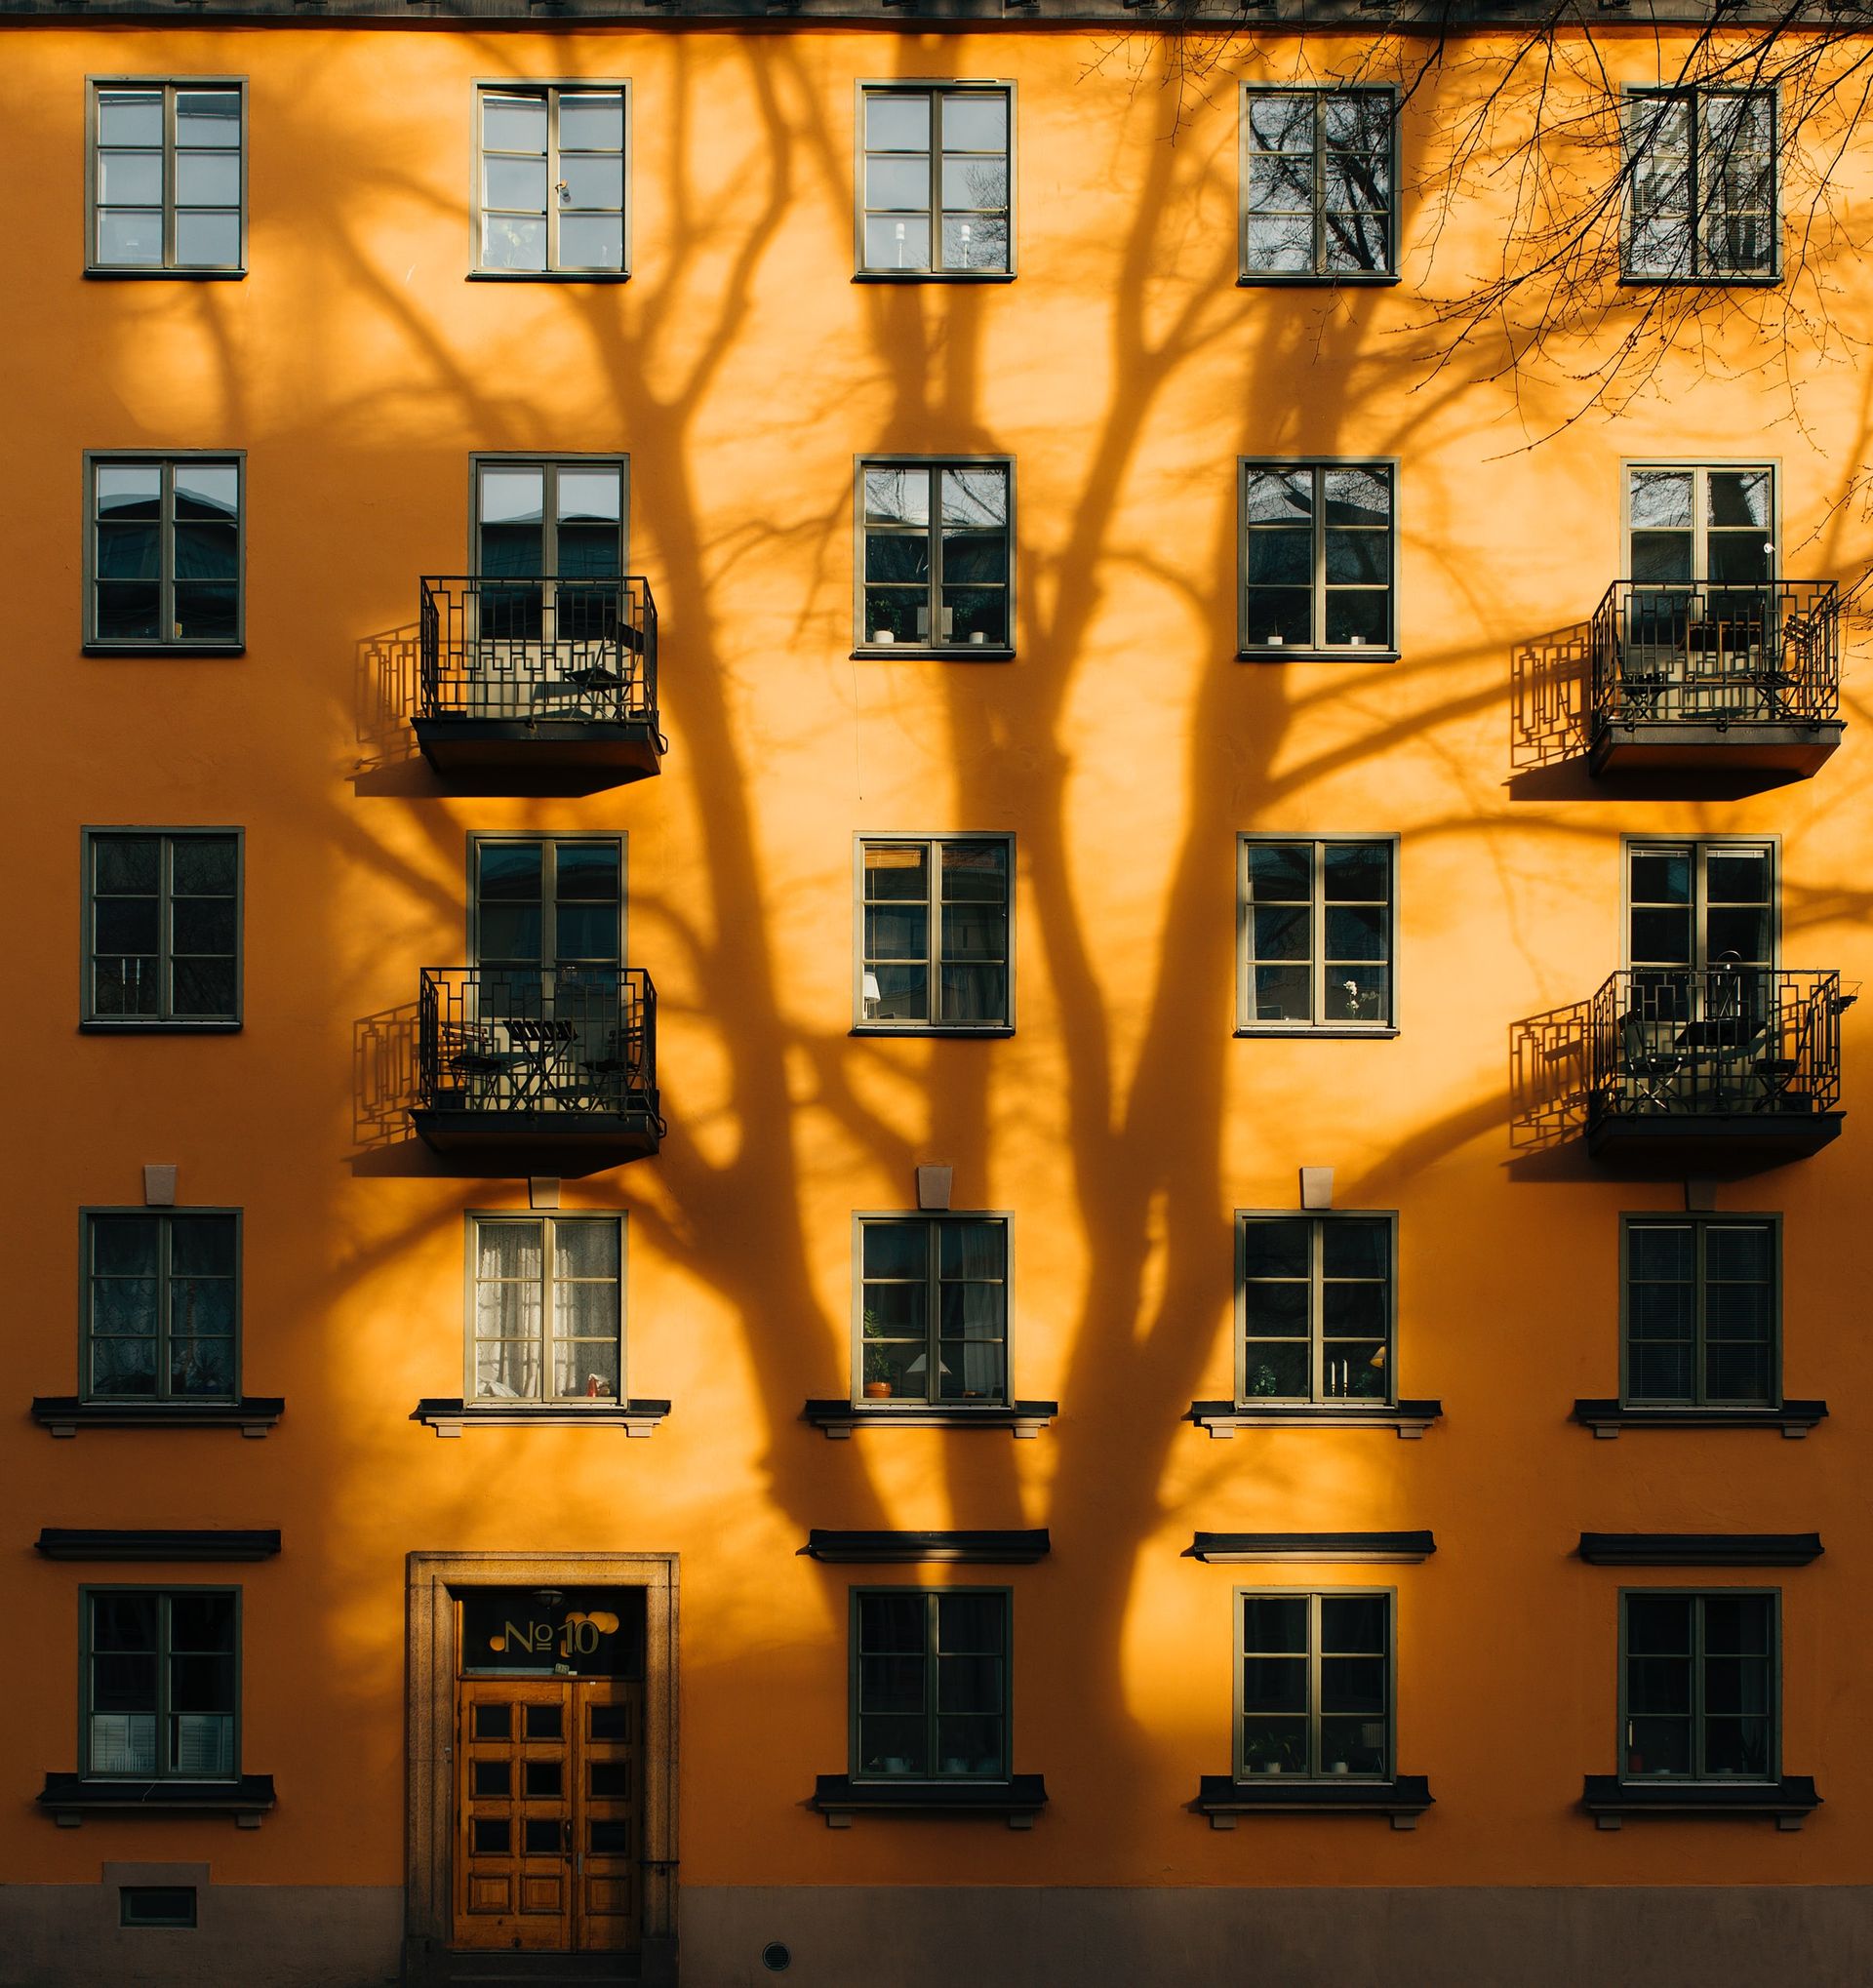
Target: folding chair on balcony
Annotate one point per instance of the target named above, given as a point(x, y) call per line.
point(1653, 1072)
point(470, 1062)
point(1642, 689)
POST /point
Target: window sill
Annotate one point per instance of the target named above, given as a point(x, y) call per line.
point(108, 273)
point(1222, 1798)
point(837, 1419)
point(1607, 1419)
point(1768, 280)
point(921, 652)
point(1291, 652)
point(966, 276)
point(64, 1414)
point(158, 649)
point(1410, 1418)
point(1016, 1800)
point(548, 276)
point(1330, 1031)
point(995, 1030)
point(1315, 1549)
point(146, 1025)
point(69, 1798)
point(917, 1549)
point(1308, 279)
point(1610, 1800)
point(453, 1417)
point(1700, 1549)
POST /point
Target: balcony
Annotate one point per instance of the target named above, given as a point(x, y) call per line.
point(539, 674)
point(1719, 1067)
point(554, 1066)
point(1734, 678)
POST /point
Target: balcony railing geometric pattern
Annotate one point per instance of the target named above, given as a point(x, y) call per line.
point(1722, 657)
point(1753, 1047)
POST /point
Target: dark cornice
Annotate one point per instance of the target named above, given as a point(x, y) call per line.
point(889, 1549)
point(1700, 1549)
point(1236, 1549)
point(96, 1542)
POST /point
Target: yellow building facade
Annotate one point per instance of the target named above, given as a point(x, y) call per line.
point(929, 1072)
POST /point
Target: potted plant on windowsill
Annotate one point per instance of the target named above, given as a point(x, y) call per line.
point(878, 1388)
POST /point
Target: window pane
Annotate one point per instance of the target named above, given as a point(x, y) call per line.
point(204, 179)
point(897, 243)
point(896, 123)
point(591, 242)
point(1659, 1624)
point(1277, 1248)
point(511, 244)
point(513, 123)
point(208, 117)
point(208, 241)
point(591, 121)
point(130, 117)
point(894, 180)
point(515, 184)
point(131, 179)
point(896, 1249)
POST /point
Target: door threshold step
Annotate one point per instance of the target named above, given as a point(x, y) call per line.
point(538, 1971)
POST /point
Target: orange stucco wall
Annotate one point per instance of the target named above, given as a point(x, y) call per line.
point(741, 370)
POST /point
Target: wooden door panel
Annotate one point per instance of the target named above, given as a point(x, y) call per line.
point(605, 1816)
point(512, 1809)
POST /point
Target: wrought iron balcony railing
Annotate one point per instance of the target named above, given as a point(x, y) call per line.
point(536, 649)
point(1716, 656)
point(1754, 1047)
point(551, 1052)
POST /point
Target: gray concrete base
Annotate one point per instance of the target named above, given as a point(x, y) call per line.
point(247, 1936)
point(935, 1936)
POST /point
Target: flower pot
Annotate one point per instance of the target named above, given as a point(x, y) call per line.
point(877, 1390)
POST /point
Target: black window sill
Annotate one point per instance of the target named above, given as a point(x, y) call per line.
point(914, 1549)
point(69, 1798)
point(156, 648)
point(921, 652)
point(1362, 1549)
point(123, 1544)
point(1294, 651)
point(548, 276)
point(1700, 1549)
point(995, 1031)
point(892, 276)
point(1610, 1800)
point(109, 273)
point(64, 1414)
point(839, 1418)
point(1765, 280)
point(1222, 1798)
point(1312, 279)
point(1607, 1419)
point(453, 1417)
point(1016, 1800)
point(1409, 1419)
point(143, 1025)
point(1325, 1031)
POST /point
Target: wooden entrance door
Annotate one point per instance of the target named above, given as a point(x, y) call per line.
point(546, 1814)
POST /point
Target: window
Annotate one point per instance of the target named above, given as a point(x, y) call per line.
point(549, 174)
point(160, 1691)
point(930, 1698)
point(937, 555)
point(1704, 907)
point(547, 1308)
point(1317, 557)
point(1318, 170)
point(1315, 1307)
point(162, 1305)
point(1314, 1693)
point(163, 917)
point(933, 1320)
point(1317, 932)
point(168, 191)
point(1700, 198)
point(1699, 1696)
point(1701, 1296)
point(165, 552)
point(171, 1905)
point(936, 193)
point(934, 942)
point(1694, 527)
point(544, 901)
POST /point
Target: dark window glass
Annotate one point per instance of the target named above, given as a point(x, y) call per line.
point(1701, 1299)
point(935, 182)
point(167, 164)
point(1700, 200)
point(1317, 182)
point(1315, 1686)
point(163, 916)
point(1317, 932)
point(166, 551)
point(935, 555)
point(1700, 1690)
point(933, 1324)
point(933, 1693)
point(934, 942)
point(162, 1306)
point(1317, 555)
point(1316, 1298)
point(160, 1685)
